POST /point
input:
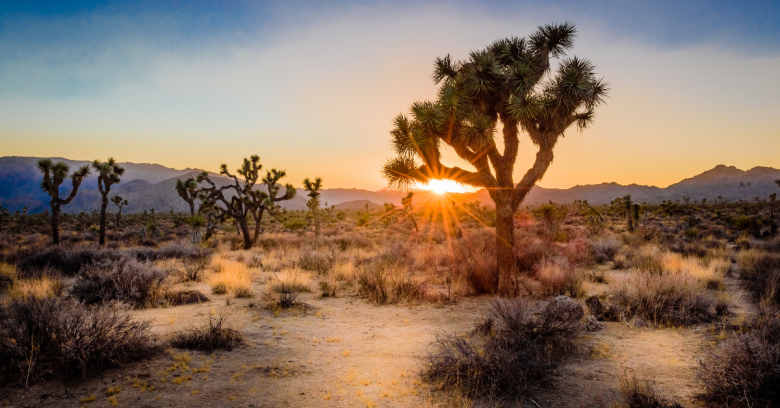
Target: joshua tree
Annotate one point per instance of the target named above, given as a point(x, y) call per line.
point(117, 200)
point(188, 191)
point(512, 82)
point(53, 176)
point(313, 187)
point(243, 199)
point(268, 202)
point(108, 175)
point(406, 209)
point(629, 219)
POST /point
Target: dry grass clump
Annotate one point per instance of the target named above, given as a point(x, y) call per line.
point(383, 283)
point(234, 278)
point(665, 298)
point(473, 260)
point(745, 369)
point(293, 279)
point(40, 337)
point(642, 394)
point(138, 284)
point(557, 277)
point(510, 353)
point(7, 276)
point(214, 335)
point(316, 261)
point(43, 287)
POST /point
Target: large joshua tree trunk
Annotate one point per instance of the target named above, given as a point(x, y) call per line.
point(505, 238)
point(103, 206)
point(243, 224)
point(192, 207)
point(55, 224)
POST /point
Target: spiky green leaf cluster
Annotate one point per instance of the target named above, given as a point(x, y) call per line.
point(509, 82)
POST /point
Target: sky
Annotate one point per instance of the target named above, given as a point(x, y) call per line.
point(313, 87)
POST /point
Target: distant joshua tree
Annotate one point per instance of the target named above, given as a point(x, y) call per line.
point(188, 191)
point(108, 173)
point(629, 219)
point(313, 187)
point(510, 81)
point(405, 210)
point(53, 176)
point(244, 199)
point(119, 202)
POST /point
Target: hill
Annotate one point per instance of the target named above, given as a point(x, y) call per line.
point(148, 186)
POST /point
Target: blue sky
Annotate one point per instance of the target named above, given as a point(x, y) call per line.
point(197, 83)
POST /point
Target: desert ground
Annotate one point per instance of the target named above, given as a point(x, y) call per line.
point(352, 317)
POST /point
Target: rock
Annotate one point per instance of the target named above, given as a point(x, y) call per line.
point(595, 307)
point(564, 309)
point(592, 324)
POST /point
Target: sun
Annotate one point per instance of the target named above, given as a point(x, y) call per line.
point(443, 186)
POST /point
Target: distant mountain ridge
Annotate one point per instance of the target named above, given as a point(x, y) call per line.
point(147, 186)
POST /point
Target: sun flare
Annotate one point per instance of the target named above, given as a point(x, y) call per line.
point(443, 186)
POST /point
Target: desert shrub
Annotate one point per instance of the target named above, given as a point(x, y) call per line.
point(508, 354)
point(194, 271)
point(695, 248)
point(214, 335)
point(66, 261)
point(174, 250)
point(185, 297)
point(7, 276)
point(39, 337)
point(291, 279)
point(745, 369)
point(557, 277)
point(473, 260)
point(529, 251)
point(138, 284)
point(315, 261)
point(608, 247)
point(762, 271)
point(665, 298)
point(255, 261)
point(373, 285)
point(642, 394)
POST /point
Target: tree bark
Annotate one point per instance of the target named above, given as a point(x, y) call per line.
point(258, 217)
point(55, 225)
point(244, 225)
point(505, 238)
point(629, 219)
point(192, 207)
point(103, 207)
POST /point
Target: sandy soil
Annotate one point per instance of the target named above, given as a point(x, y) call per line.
point(344, 352)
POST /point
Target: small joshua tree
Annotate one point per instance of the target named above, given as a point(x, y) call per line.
point(119, 202)
point(108, 175)
point(629, 219)
point(243, 200)
point(188, 191)
point(53, 176)
point(313, 187)
point(406, 209)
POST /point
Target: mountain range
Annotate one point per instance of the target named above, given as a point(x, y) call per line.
point(147, 186)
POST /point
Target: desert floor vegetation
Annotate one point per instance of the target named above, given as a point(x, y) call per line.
point(378, 313)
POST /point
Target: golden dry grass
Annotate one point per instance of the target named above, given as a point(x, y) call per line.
point(234, 278)
point(41, 288)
